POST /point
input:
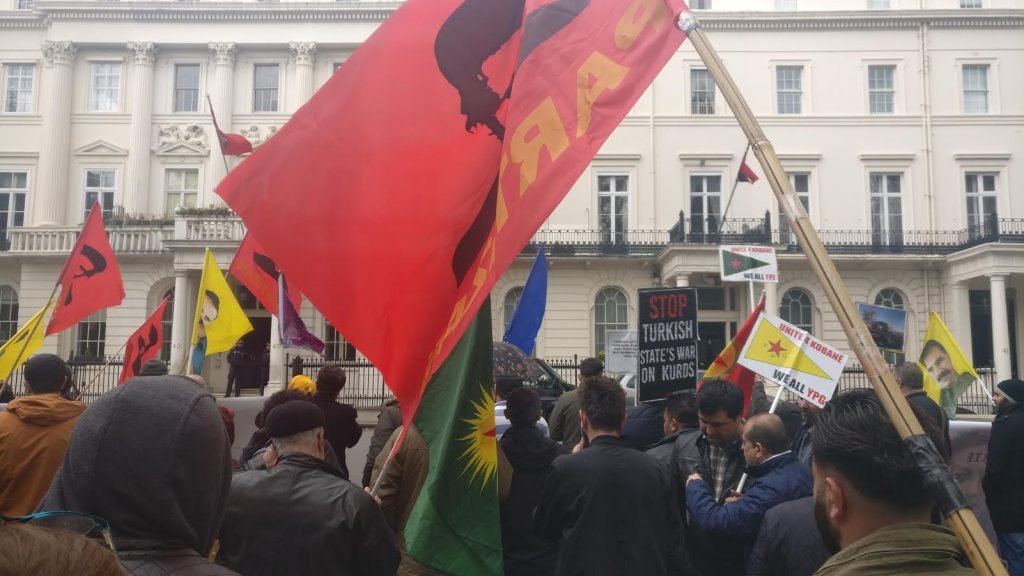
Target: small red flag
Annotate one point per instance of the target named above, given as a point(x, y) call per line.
point(91, 279)
point(725, 366)
point(230, 144)
point(258, 273)
point(144, 344)
point(746, 173)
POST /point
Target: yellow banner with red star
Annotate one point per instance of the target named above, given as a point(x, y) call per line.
point(791, 357)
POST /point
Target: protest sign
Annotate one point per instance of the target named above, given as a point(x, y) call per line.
point(888, 326)
point(969, 441)
point(748, 264)
point(666, 342)
point(620, 351)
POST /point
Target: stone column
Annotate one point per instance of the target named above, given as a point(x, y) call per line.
point(960, 318)
point(682, 280)
point(274, 381)
point(1000, 327)
point(304, 54)
point(50, 202)
point(222, 97)
point(180, 329)
point(771, 298)
point(136, 190)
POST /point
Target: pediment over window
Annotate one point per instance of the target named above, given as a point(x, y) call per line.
point(182, 150)
point(101, 148)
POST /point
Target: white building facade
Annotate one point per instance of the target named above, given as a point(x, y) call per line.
point(900, 122)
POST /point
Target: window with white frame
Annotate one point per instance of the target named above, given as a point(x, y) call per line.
point(705, 202)
point(789, 93)
point(801, 182)
point(882, 89)
point(879, 4)
point(886, 207)
point(891, 298)
point(100, 186)
point(612, 207)
point(167, 325)
point(18, 82)
point(784, 5)
point(702, 92)
point(105, 94)
point(982, 197)
point(265, 87)
point(186, 87)
point(975, 79)
point(337, 66)
point(8, 313)
point(611, 312)
point(91, 336)
point(700, 4)
point(13, 190)
point(970, 4)
point(797, 308)
point(182, 188)
point(24, 4)
point(335, 346)
point(511, 301)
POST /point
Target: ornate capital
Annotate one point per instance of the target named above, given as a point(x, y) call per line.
point(223, 53)
point(62, 52)
point(143, 52)
point(304, 52)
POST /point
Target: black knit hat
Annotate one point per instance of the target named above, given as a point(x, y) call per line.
point(153, 367)
point(292, 418)
point(1013, 389)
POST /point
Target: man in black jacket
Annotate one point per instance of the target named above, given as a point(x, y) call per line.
point(607, 503)
point(341, 427)
point(1004, 473)
point(788, 543)
point(301, 516)
point(911, 380)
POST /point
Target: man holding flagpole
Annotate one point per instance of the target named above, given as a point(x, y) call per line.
point(219, 320)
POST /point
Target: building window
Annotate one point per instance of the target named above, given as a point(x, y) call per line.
point(106, 87)
point(511, 301)
point(336, 348)
point(13, 189)
point(100, 186)
point(886, 207)
point(705, 202)
point(612, 207)
point(878, 5)
point(264, 87)
point(702, 92)
point(970, 3)
point(789, 89)
point(882, 89)
point(186, 87)
point(891, 298)
point(8, 313)
point(91, 336)
point(337, 66)
point(982, 215)
point(24, 4)
point(18, 80)
point(611, 312)
point(182, 187)
point(701, 5)
point(797, 308)
point(975, 78)
point(801, 182)
point(785, 5)
point(166, 325)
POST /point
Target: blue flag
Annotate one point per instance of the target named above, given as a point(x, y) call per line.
point(529, 312)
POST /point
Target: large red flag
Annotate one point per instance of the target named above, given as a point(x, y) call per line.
point(144, 344)
point(258, 273)
point(91, 279)
point(726, 366)
point(398, 195)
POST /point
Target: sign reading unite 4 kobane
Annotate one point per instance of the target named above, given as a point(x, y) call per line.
point(793, 358)
point(748, 264)
point(666, 342)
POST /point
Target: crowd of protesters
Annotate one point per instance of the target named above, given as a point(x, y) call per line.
point(142, 482)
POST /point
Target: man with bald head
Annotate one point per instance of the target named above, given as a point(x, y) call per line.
point(776, 476)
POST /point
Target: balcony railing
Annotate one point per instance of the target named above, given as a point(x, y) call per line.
point(60, 240)
point(209, 229)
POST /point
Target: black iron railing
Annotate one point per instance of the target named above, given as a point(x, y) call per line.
point(93, 376)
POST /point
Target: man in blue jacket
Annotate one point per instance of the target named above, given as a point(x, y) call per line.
point(777, 476)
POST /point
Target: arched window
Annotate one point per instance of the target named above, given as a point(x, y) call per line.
point(8, 313)
point(511, 301)
point(611, 310)
point(91, 337)
point(797, 308)
point(335, 346)
point(892, 298)
point(167, 323)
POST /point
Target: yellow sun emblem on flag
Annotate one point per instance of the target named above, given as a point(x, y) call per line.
point(481, 451)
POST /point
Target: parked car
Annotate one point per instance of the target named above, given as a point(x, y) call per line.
point(550, 385)
point(628, 383)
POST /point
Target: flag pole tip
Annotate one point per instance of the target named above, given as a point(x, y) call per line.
point(687, 21)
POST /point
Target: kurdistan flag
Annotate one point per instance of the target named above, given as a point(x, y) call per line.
point(455, 525)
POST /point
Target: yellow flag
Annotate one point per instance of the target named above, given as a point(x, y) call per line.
point(947, 371)
point(219, 316)
point(16, 351)
point(771, 346)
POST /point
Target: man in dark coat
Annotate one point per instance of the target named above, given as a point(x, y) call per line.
point(911, 380)
point(678, 448)
point(643, 425)
point(564, 420)
point(301, 516)
point(606, 503)
point(389, 419)
point(1004, 473)
point(341, 428)
point(236, 367)
point(788, 543)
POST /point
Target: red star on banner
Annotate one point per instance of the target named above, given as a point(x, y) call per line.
point(735, 264)
point(776, 348)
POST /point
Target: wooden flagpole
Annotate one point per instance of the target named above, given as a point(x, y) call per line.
point(81, 393)
point(939, 478)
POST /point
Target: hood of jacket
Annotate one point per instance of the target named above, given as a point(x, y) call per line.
point(152, 458)
point(45, 409)
point(528, 449)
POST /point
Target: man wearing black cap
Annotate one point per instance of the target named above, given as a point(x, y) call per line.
point(1004, 473)
point(154, 367)
point(301, 516)
point(565, 416)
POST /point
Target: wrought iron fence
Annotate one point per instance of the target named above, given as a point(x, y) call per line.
point(92, 377)
point(364, 384)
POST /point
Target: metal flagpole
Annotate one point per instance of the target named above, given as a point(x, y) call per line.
point(946, 492)
point(732, 193)
point(81, 393)
point(775, 405)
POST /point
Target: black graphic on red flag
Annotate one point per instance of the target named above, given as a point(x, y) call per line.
point(258, 273)
point(746, 174)
point(91, 278)
point(144, 344)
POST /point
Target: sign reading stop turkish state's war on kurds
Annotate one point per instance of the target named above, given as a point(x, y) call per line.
point(785, 354)
point(620, 351)
point(748, 264)
point(666, 342)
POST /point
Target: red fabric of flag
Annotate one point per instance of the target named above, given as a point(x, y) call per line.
point(144, 344)
point(746, 173)
point(725, 366)
point(398, 195)
point(230, 144)
point(91, 278)
point(258, 273)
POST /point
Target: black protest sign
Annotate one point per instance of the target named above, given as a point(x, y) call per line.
point(666, 342)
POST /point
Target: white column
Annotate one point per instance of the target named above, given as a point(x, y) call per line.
point(222, 97)
point(1000, 327)
point(682, 280)
point(959, 318)
point(181, 328)
point(771, 298)
point(305, 55)
point(274, 382)
point(136, 191)
point(49, 203)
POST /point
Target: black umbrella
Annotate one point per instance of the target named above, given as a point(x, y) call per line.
point(511, 362)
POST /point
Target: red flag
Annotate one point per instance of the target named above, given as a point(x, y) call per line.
point(258, 273)
point(746, 173)
point(725, 365)
point(91, 279)
point(399, 194)
point(144, 344)
point(230, 144)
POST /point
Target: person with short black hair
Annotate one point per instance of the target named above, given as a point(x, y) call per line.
point(605, 504)
point(678, 448)
point(872, 504)
point(342, 428)
point(911, 381)
point(1004, 473)
point(565, 416)
point(503, 388)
